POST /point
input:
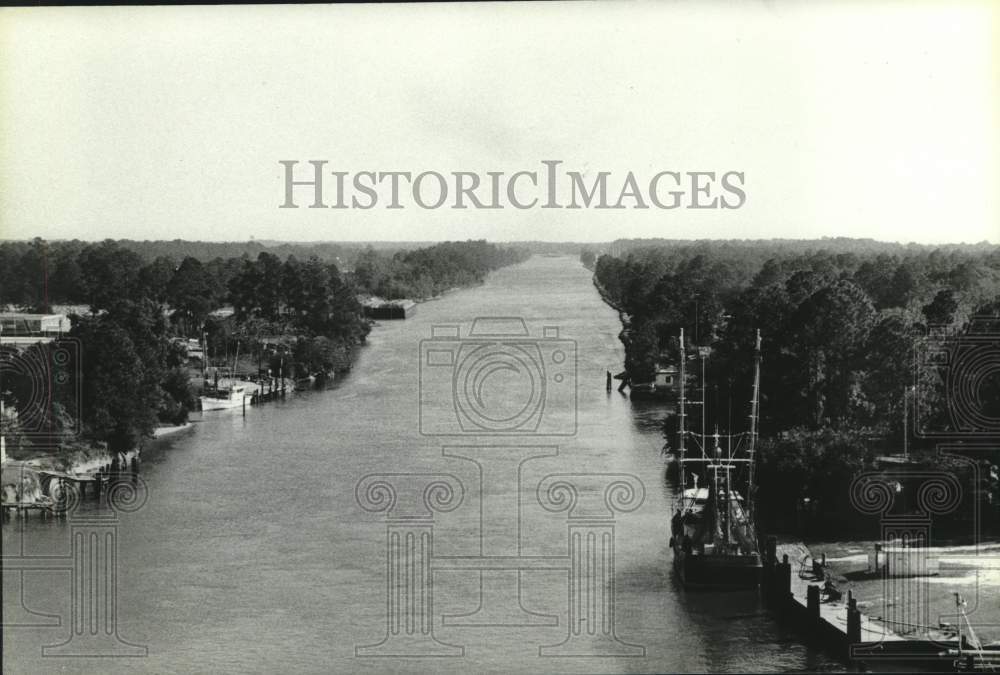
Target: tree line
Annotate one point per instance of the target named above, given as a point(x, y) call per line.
point(302, 312)
point(845, 328)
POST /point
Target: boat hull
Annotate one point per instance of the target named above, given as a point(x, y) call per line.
point(209, 403)
point(718, 571)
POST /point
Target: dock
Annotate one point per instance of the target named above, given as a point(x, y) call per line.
point(95, 483)
point(268, 389)
point(793, 585)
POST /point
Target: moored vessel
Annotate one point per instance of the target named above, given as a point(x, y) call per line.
point(223, 397)
point(713, 531)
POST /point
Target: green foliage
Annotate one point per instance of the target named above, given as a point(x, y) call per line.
point(134, 376)
point(192, 294)
point(840, 324)
point(110, 275)
point(121, 390)
point(816, 464)
point(429, 271)
point(318, 355)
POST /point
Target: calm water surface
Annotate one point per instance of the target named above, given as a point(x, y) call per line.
point(252, 553)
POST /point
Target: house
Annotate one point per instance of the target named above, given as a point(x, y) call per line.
point(666, 378)
point(21, 328)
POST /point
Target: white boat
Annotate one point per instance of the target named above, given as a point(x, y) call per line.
point(223, 398)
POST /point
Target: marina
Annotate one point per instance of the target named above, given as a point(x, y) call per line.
point(689, 572)
point(205, 562)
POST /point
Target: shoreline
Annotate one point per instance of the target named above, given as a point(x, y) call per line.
point(160, 432)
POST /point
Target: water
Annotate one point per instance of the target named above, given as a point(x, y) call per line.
point(253, 554)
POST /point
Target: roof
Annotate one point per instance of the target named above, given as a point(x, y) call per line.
point(30, 316)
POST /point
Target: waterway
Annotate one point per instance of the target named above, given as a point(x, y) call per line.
point(253, 553)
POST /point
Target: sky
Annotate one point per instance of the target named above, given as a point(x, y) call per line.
point(855, 119)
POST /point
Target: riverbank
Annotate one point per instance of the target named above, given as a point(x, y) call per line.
point(76, 462)
point(268, 502)
point(160, 432)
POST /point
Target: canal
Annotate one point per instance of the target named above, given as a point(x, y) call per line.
point(253, 552)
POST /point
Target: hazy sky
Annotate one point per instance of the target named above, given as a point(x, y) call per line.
point(849, 119)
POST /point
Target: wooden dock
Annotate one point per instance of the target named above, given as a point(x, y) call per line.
point(268, 389)
point(94, 483)
point(793, 584)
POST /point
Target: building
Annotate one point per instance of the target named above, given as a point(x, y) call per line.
point(19, 328)
point(667, 378)
point(192, 348)
point(396, 309)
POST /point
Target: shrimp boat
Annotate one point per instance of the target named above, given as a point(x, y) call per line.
point(223, 397)
point(713, 532)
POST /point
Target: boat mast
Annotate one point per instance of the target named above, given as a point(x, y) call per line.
point(754, 410)
point(236, 360)
point(680, 423)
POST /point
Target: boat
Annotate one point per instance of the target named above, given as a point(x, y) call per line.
point(713, 532)
point(223, 397)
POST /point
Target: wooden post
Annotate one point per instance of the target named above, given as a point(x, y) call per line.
point(853, 622)
point(812, 603)
point(785, 576)
point(608, 385)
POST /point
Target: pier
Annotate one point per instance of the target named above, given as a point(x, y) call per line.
point(53, 483)
point(268, 389)
point(793, 587)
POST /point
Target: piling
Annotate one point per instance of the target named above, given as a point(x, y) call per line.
point(853, 621)
point(784, 578)
point(812, 604)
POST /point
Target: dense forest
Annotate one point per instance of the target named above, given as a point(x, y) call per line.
point(846, 326)
point(426, 272)
point(294, 315)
